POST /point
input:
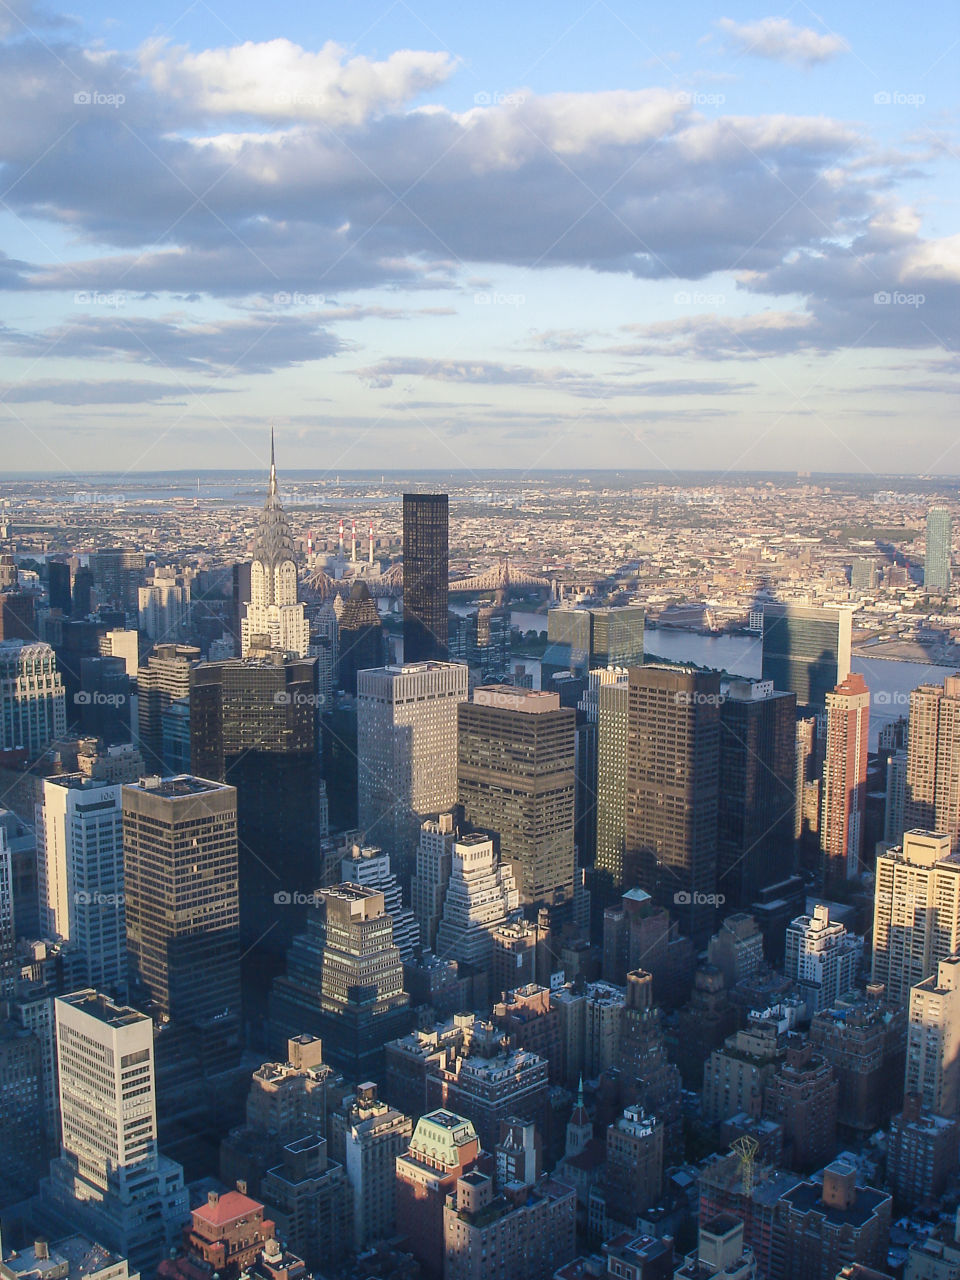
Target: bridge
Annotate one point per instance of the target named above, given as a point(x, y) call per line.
point(499, 579)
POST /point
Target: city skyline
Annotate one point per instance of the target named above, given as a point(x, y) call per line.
point(607, 241)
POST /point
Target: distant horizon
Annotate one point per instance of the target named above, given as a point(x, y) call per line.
point(526, 473)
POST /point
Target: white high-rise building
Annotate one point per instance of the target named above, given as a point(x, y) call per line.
point(933, 1040)
point(375, 1135)
point(481, 894)
point(163, 607)
point(407, 751)
point(893, 810)
point(821, 958)
point(916, 912)
point(369, 866)
point(32, 706)
point(428, 888)
point(109, 1178)
point(80, 873)
point(7, 932)
point(275, 618)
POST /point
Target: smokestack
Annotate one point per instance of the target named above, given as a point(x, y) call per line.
point(341, 538)
point(371, 542)
point(353, 540)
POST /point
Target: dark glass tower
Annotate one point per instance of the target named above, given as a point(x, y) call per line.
point(253, 724)
point(425, 577)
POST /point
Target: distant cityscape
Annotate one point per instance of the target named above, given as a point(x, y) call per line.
point(446, 876)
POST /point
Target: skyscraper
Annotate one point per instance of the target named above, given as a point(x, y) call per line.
point(32, 703)
point(369, 866)
point(845, 780)
point(361, 642)
point(163, 679)
point(274, 619)
point(936, 563)
point(821, 958)
point(672, 790)
point(109, 1178)
point(585, 639)
point(428, 887)
point(344, 982)
point(806, 650)
point(180, 874)
point(80, 874)
point(407, 752)
point(481, 893)
point(425, 577)
point(932, 793)
point(254, 726)
point(916, 914)
point(757, 796)
point(376, 1134)
point(933, 1040)
point(611, 789)
point(515, 777)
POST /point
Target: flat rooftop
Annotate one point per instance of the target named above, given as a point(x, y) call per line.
point(181, 784)
point(101, 1007)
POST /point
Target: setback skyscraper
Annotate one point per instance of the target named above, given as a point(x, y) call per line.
point(425, 577)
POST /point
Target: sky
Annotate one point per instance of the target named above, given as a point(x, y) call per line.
point(587, 234)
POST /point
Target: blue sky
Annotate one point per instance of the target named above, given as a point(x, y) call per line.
point(589, 234)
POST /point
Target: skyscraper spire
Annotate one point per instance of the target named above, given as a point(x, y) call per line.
point(273, 466)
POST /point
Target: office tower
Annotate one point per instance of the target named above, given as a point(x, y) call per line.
point(482, 641)
point(531, 1232)
point(757, 789)
point(8, 932)
point(102, 704)
point(821, 958)
point(516, 955)
point(583, 639)
point(254, 726)
point(274, 618)
point(376, 1134)
point(58, 586)
point(933, 1040)
point(894, 815)
point(737, 948)
point(407, 752)
point(428, 888)
point(22, 1148)
point(109, 1177)
point(922, 1153)
point(864, 1040)
point(82, 593)
point(425, 577)
point(117, 575)
point(802, 1097)
point(808, 770)
point(175, 737)
point(932, 796)
point(369, 866)
point(827, 1224)
point(309, 1196)
point(80, 874)
point(32, 705)
point(806, 650)
point(734, 1077)
point(845, 780)
point(180, 873)
point(443, 1148)
point(505, 1084)
point(639, 933)
point(163, 606)
point(117, 764)
point(361, 641)
point(647, 1077)
point(17, 615)
point(936, 564)
point(122, 642)
point(515, 773)
point(672, 790)
point(163, 679)
point(286, 1100)
point(590, 1024)
point(344, 982)
point(480, 895)
point(703, 1023)
point(633, 1178)
point(863, 574)
point(611, 788)
point(916, 914)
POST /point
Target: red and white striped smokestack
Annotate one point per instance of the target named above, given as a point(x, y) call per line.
point(353, 552)
point(341, 536)
point(371, 542)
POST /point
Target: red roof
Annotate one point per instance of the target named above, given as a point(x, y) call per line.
point(228, 1208)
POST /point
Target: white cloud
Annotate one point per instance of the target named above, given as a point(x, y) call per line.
point(781, 40)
